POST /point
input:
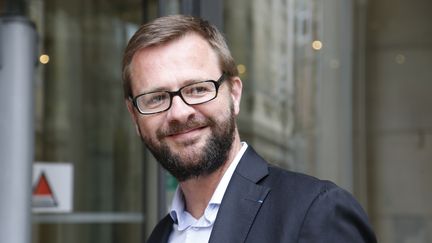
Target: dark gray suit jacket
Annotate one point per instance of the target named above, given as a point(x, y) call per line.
point(265, 204)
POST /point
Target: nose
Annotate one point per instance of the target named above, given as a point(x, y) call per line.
point(179, 110)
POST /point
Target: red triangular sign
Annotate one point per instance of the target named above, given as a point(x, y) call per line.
point(43, 195)
point(42, 187)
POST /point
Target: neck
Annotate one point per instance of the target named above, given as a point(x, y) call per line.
point(199, 190)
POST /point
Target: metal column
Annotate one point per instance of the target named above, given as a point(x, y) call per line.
point(17, 64)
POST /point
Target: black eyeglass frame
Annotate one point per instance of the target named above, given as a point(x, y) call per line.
point(172, 94)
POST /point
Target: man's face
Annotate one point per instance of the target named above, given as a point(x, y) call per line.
point(188, 141)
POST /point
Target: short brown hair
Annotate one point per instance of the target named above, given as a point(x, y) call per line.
point(169, 28)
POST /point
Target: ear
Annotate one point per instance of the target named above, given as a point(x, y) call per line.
point(133, 115)
point(236, 93)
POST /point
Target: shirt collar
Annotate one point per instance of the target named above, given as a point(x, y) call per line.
point(183, 218)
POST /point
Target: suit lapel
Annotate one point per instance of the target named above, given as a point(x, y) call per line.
point(241, 201)
point(162, 231)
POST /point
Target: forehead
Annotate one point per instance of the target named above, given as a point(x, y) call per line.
point(188, 58)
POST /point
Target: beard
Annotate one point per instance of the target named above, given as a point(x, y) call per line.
point(195, 161)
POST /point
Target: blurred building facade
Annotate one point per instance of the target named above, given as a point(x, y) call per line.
point(398, 71)
point(338, 89)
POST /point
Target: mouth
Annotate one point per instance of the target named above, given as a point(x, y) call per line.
point(186, 135)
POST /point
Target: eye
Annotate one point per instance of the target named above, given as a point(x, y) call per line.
point(198, 89)
point(153, 100)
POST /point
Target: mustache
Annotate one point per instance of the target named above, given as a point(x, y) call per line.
point(176, 127)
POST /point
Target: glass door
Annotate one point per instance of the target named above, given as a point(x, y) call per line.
point(81, 119)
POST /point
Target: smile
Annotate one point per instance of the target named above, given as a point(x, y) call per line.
point(187, 134)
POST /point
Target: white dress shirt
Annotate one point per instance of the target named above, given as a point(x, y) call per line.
point(186, 228)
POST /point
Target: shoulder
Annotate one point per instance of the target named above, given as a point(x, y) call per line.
point(284, 183)
point(321, 208)
point(306, 192)
point(293, 182)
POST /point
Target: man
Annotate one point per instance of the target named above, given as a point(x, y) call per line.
point(183, 93)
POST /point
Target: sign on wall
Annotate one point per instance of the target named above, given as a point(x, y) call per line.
point(52, 190)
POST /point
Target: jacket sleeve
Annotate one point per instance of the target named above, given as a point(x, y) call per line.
point(335, 216)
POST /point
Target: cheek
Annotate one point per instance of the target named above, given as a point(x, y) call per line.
point(228, 105)
point(223, 111)
point(147, 127)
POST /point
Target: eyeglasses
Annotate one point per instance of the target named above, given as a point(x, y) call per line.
point(191, 94)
